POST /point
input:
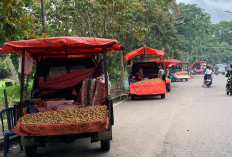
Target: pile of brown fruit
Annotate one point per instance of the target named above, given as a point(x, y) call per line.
point(151, 80)
point(90, 113)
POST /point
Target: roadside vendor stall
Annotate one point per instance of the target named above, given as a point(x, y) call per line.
point(198, 67)
point(70, 98)
point(146, 78)
point(167, 65)
point(179, 72)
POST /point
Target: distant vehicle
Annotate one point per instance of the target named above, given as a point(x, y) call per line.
point(221, 68)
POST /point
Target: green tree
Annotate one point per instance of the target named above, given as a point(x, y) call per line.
point(193, 26)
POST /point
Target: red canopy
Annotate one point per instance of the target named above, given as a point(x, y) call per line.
point(142, 50)
point(200, 62)
point(62, 46)
point(166, 62)
point(175, 61)
point(178, 61)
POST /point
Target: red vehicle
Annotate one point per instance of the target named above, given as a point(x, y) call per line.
point(150, 84)
point(167, 65)
point(179, 71)
point(74, 59)
point(197, 67)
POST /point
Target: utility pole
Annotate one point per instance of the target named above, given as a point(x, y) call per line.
point(42, 14)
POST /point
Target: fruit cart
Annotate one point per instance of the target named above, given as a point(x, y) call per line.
point(151, 84)
point(167, 65)
point(179, 72)
point(70, 98)
point(197, 67)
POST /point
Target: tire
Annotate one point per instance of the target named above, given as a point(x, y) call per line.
point(162, 96)
point(227, 92)
point(105, 145)
point(30, 151)
point(132, 97)
point(168, 87)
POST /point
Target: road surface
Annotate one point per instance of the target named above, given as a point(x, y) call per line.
point(192, 121)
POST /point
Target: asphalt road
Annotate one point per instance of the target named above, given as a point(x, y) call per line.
point(192, 121)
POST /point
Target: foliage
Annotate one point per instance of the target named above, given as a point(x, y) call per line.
point(161, 24)
point(13, 92)
point(4, 72)
point(204, 40)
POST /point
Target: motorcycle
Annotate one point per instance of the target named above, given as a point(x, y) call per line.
point(229, 83)
point(208, 81)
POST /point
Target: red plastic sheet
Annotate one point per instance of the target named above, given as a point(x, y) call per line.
point(168, 80)
point(175, 61)
point(167, 63)
point(59, 45)
point(142, 50)
point(69, 80)
point(60, 129)
point(199, 71)
point(148, 88)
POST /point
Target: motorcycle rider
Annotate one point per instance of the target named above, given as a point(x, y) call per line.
point(208, 73)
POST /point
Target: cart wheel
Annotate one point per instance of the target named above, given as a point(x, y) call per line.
point(132, 97)
point(162, 96)
point(30, 151)
point(105, 145)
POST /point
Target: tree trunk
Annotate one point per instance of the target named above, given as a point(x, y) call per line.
point(14, 74)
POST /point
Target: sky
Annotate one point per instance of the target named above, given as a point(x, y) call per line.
point(216, 8)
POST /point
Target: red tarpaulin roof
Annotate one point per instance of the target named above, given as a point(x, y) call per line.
point(58, 46)
point(178, 61)
point(200, 62)
point(142, 50)
point(175, 61)
point(166, 62)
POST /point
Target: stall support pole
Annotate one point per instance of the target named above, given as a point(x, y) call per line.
point(122, 72)
point(22, 84)
point(106, 75)
point(6, 104)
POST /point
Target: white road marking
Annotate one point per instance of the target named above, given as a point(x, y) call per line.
point(120, 102)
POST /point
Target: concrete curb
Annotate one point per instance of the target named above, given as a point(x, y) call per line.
point(116, 98)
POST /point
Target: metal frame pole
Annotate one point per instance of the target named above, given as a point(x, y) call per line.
point(20, 107)
point(42, 14)
point(22, 76)
point(106, 75)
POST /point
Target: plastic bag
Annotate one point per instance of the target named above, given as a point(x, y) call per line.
point(126, 84)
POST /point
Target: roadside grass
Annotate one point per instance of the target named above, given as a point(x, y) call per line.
point(13, 92)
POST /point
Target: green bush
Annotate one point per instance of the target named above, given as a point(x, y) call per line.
point(13, 93)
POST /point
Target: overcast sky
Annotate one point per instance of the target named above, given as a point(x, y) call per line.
point(216, 8)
